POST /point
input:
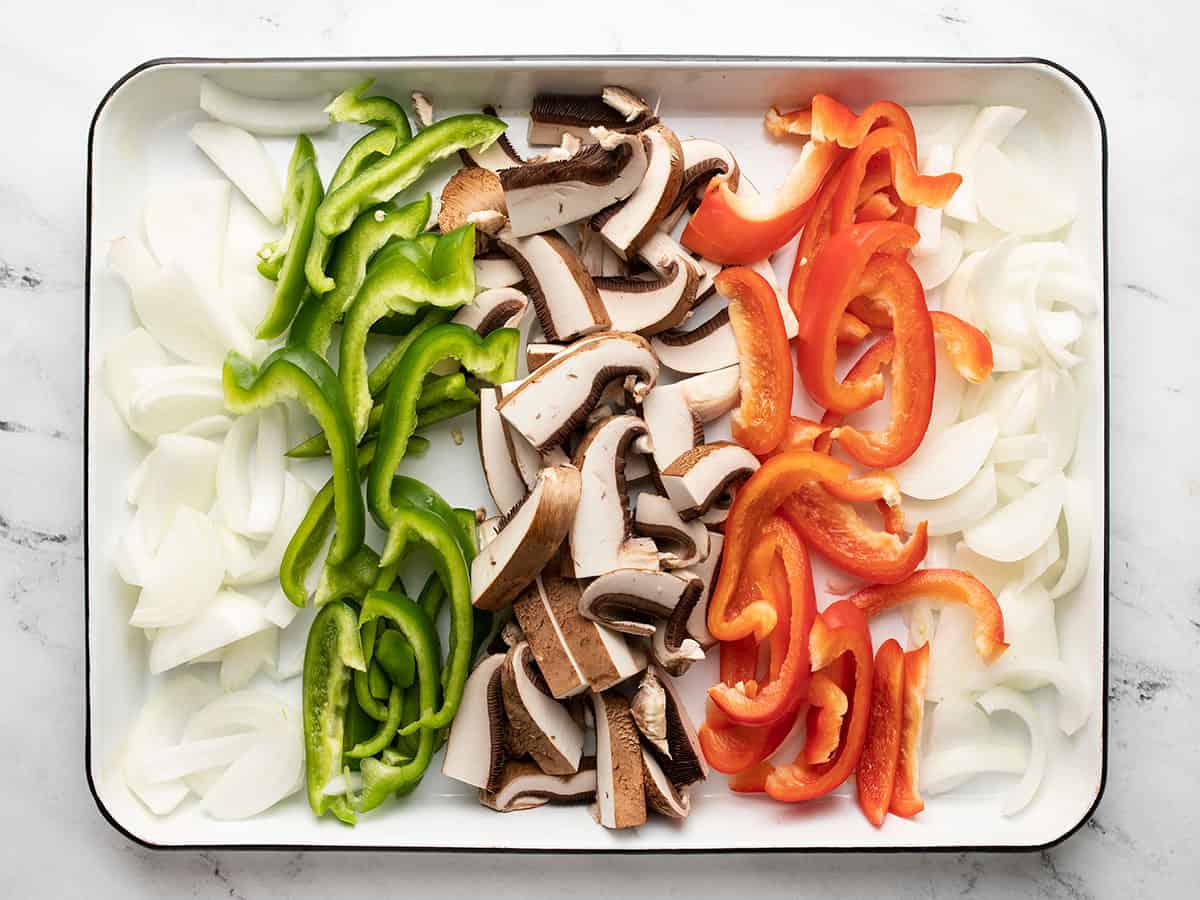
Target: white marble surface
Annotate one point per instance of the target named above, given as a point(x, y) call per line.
point(56, 61)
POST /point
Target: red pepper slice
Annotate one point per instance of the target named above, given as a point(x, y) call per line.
point(834, 529)
point(868, 488)
point(948, 586)
point(757, 500)
point(906, 800)
point(969, 348)
point(832, 283)
point(779, 549)
point(851, 330)
point(780, 125)
point(826, 713)
point(876, 775)
point(879, 207)
point(761, 418)
point(835, 122)
point(799, 434)
point(734, 229)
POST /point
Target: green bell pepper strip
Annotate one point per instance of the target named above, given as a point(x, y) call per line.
point(359, 728)
point(432, 596)
point(386, 730)
point(419, 495)
point(366, 700)
point(391, 757)
point(355, 249)
point(408, 744)
point(331, 652)
point(377, 681)
point(296, 373)
point(402, 286)
point(302, 195)
point(492, 358)
point(377, 381)
point(348, 580)
point(388, 177)
point(351, 106)
point(380, 780)
point(395, 655)
point(363, 152)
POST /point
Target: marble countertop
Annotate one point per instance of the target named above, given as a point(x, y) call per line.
point(57, 60)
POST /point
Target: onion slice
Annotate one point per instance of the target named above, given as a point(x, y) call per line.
point(1077, 512)
point(185, 575)
point(244, 659)
point(186, 223)
point(1018, 528)
point(959, 510)
point(1018, 199)
point(244, 161)
point(962, 745)
point(265, 562)
point(934, 268)
point(991, 126)
point(136, 350)
point(267, 472)
point(938, 161)
point(190, 757)
point(229, 617)
point(946, 462)
point(262, 115)
point(180, 471)
point(1008, 700)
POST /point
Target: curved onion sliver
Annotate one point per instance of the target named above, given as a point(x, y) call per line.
point(1058, 414)
point(185, 575)
point(1018, 199)
point(1001, 698)
point(1074, 706)
point(208, 427)
point(1077, 511)
point(1020, 448)
point(244, 161)
point(133, 555)
point(233, 482)
point(170, 398)
point(265, 564)
point(267, 472)
point(136, 350)
point(262, 115)
point(229, 617)
point(959, 510)
point(958, 299)
point(186, 223)
point(991, 126)
point(934, 268)
point(1018, 528)
point(961, 745)
point(180, 471)
point(190, 757)
point(937, 161)
point(948, 390)
point(946, 462)
point(243, 659)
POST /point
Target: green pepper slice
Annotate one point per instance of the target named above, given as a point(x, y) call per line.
point(348, 580)
point(417, 494)
point(386, 729)
point(296, 373)
point(351, 106)
point(331, 652)
point(286, 258)
point(377, 381)
point(388, 177)
point(395, 656)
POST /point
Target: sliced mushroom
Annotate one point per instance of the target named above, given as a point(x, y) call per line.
point(686, 543)
point(601, 536)
point(715, 515)
point(671, 646)
point(501, 469)
point(699, 477)
point(649, 710)
point(660, 250)
point(555, 661)
point(475, 753)
point(537, 354)
point(697, 625)
point(597, 257)
point(637, 466)
point(685, 764)
point(702, 159)
point(617, 109)
point(554, 400)
point(675, 414)
point(529, 537)
point(627, 225)
point(604, 656)
point(703, 348)
point(496, 270)
point(567, 303)
point(620, 792)
point(651, 305)
point(528, 460)
point(542, 196)
point(635, 601)
point(470, 190)
point(522, 785)
point(538, 725)
point(494, 308)
point(422, 109)
point(567, 147)
point(661, 795)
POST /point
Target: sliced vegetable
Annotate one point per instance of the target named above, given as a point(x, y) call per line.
point(261, 115)
point(876, 772)
point(244, 161)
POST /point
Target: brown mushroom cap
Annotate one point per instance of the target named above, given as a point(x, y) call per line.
point(701, 348)
point(522, 785)
point(554, 115)
point(620, 788)
point(629, 224)
point(661, 795)
point(468, 191)
point(675, 414)
point(685, 764)
point(549, 646)
point(537, 724)
point(604, 656)
point(700, 477)
point(681, 544)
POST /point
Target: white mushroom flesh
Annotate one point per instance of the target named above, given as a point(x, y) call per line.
point(504, 479)
point(538, 724)
point(686, 542)
point(698, 478)
point(702, 348)
point(649, 306)
point(524, 786)
point(637, 218)
point(475, 751)
point(495, 272)
point(675, 413)
point(634, 601)
point(567, 303)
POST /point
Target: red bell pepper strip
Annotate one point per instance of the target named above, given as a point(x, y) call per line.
point(781, 125)
point(833, 121)
point(948, 586)
point(834, 529)
point(734, 229)
point(867, 488)
point(799, 434)
point(906, 800)
point(851, 330)
point(832, 283)
point(826, 713)
point(786, 685)
point(876, 775)
point(969, 348)
point(812, 238)
point(765, 360)
point(879, 207)
point(757, 500)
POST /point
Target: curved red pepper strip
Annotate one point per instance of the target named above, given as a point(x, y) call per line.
point(948, 586)
point(826, 713)
point(734, 229)
point(969, 348)
point(835, 122)
point(867, 488)
point(851, 330)
point(760, 420)
point(832, 283)
point(781, 125)
point(875, 777)
point(877, 208)
point(799, 434)
point(756, 501)
point(780, 550)
point(906, 799)
point(812, 239)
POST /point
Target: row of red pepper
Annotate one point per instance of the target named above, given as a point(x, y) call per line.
point(852, 198)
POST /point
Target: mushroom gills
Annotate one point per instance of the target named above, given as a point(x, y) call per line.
point(686, 542)
point(675, 414)
point(522, 785)
point(494, 308)
point(538, 725)
point(554, 115)
point(627, 225)
point(530, 535)
point(661, 795)
point(620, 787)
point(703, 348)
point(475, 751)
point(698, 479)
point(706, 571)
point(649, 306)
point(660, 249)
point(636, 601)
point(567, 303)
point(498, 156)
point(685, 764)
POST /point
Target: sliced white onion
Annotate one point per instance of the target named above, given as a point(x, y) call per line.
point(1010, 486)
point(1007, 359)
point(244, 659)
point(1058, 330)
point(291, 644)
point(1058, 414)
point(185, 223)
point(180, 471)
point(279, 610)
point(941, 124)
point(991, 126)
point(185, 574)
point(262, 115)
point(133, 554)
point(1018, 199)
point(959, 510)
point(296, 498)
point(958, 299)
point(270, 771)
point(998, 291)
point(1016, 529)
point(946, 462)
point(1029, 628)
point(961, 745)
point(267, 471)
point(229, 617)
point(1077, 512)
point(937, 161)
point(979, 236)
point(136, 350)
point(1074, 706)
point(952, 656)
point(1025, 399)
point(208, 427)
point(1068, 288)
point(1006, 699)
point(340, 785)
point(233, 481)
point(190, 757)
point(244, 161)
point(948, 390)
point(1020, 448)
point(938, 265)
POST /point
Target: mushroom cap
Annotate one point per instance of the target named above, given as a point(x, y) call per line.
point(522, 785)
point(549, 646)
point(475, 751)
point(553, 115)
point(469, 190)
point(706, 571)
point(538, 725)
point(620, 790)
point(649, 305)
point(661, 795)
point(603, 656)
point(504, 479)
point(494, 308)
point(699, 477)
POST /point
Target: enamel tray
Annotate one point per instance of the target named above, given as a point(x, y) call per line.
point(139, 133)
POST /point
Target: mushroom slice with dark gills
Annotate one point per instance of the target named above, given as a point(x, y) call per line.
point(636, 601)
point(496, 270)
point(620, 791)
point(476, 750)
point(680, 544)
point(701, 476)
point(498, 156)
point(538, 353)
point(705, 347)
point(617, 109)
point(498, 453)
point(702, 159)
point(675, 414)
point(529, 537)
point(660, 250)
point(649, 305)
point(567, 303)
point(494, 308)
point(522, 785)
point(538, 725)
point(601, 538)
point(706, 571)
point(557, 398)
point(597, 257)
point(548, 643)
point(627, 225)
point(661, 795)
point(684, 764)
point(542, 196)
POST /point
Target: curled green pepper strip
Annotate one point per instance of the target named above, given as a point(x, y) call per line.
point(332, 651)
point(377, 681)
point(355, 249)
point(492, 358)
point(381, 780)
point(351, 106)
point(419, 495)
point(296, 373)
point(367, 701)
point(395, 656)
point(378, 380)
point(388, 177)
point(359, 727)
point(363, 152)
point(286, 258)
point(392, 757)
point(385, 732)
point(350, 579)
point(432, 596)
point(401, 285)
